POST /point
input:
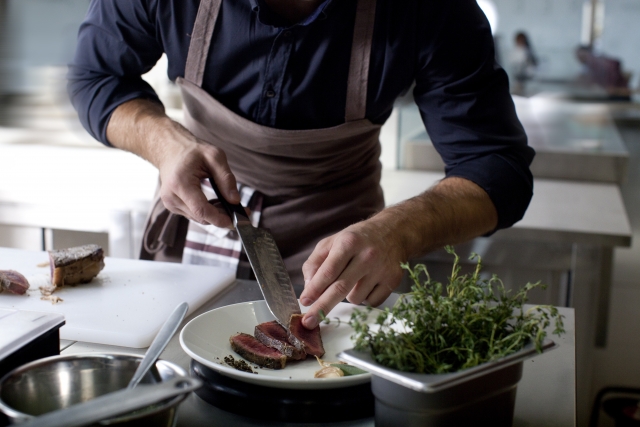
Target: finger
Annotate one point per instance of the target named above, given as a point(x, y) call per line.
point(225, 180)
point(199, 208)
point(175, 205)
point(362, 289)
point(315, 260)
point(217, 204)
point(378, 295)
point(185, 213)
point(335, 293)
point(179, 211)
point(331, 267)
point(390, 282)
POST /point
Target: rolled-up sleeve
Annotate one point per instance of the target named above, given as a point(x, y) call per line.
point(464, 100)
point(116, 45)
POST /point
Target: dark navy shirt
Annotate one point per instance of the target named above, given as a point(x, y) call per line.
point(295, 76)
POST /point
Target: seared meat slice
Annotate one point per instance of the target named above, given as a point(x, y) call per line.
point(75, 265)
point(254, 351)
point(13, 282)
point(302, 338)
point(273, 335)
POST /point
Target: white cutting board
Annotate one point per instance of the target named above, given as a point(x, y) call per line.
point(125, 305)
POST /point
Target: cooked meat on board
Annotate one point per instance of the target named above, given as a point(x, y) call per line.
point(254, 351)
point(14, 282)
point(76, 265)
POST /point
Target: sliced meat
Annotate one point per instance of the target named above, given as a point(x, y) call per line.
point(302, 338)
point(254, 351)
point(273, 335)
point(13, 282)
point(75, 265)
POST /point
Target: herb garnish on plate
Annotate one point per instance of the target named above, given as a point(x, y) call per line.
point(439, 328)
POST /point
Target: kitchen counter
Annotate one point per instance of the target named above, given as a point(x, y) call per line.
point(573, 141)
point(546, 393)
point(55, 180)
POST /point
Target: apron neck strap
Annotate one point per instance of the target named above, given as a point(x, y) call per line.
point(356, 103)
point(201, 40)
point(357, 83)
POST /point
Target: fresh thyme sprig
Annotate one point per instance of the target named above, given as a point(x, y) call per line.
point(438, 329)
point(327, 320)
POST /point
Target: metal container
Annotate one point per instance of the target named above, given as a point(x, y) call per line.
point(482, 395)
point(60, 381)
point(27, 336)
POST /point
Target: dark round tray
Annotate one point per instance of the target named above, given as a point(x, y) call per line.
point(287, 405)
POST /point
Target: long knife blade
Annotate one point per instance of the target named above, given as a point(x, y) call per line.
point(266, 262)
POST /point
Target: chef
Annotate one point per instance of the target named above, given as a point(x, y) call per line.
point(283, 104)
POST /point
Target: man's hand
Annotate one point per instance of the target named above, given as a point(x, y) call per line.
point(141, 127)
point(362, 262)
point(185, 163)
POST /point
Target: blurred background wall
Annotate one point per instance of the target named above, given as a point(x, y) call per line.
point(37, 34)
point(557, 27)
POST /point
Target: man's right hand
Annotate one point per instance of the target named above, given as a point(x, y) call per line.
point(183, 161)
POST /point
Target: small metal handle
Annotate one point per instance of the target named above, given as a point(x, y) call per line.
point(238, 210)
point(159, 343)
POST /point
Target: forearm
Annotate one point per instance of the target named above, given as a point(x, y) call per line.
point(183, 161)
point(362, 262)
point(138, 125)
point(453, 211)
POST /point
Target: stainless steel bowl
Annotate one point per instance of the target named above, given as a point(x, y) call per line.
point(60, 381)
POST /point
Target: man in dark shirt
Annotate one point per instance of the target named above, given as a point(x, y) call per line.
point(604, 72)
point(278, 69)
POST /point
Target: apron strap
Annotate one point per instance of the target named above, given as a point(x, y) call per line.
point(356, 103)
point(356, 108)
point(201, 40)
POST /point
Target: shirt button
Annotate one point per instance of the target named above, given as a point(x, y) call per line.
point(287, 34)
point(270, 94)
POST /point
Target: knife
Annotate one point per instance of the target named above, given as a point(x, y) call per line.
point(266, 262)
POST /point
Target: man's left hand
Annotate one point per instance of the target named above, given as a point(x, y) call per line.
point(360, 263)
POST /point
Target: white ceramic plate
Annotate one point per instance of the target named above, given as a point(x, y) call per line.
point(206, 339)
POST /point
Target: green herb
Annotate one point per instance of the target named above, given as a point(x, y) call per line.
point(440, 328)
point(348, 369)
point(325, 319)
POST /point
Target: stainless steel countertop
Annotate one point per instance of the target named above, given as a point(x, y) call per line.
point(576, 141)
point(560, 211)
point(546, 393)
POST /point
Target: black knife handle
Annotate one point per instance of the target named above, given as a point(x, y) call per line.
point(231, 209)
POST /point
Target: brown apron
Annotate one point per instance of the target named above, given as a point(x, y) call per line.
point(314, 182)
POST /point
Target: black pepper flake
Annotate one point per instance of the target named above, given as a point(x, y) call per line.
point(240, 365)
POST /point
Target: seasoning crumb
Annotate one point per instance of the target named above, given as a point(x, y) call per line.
point(53, 298)
point(240, 365)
